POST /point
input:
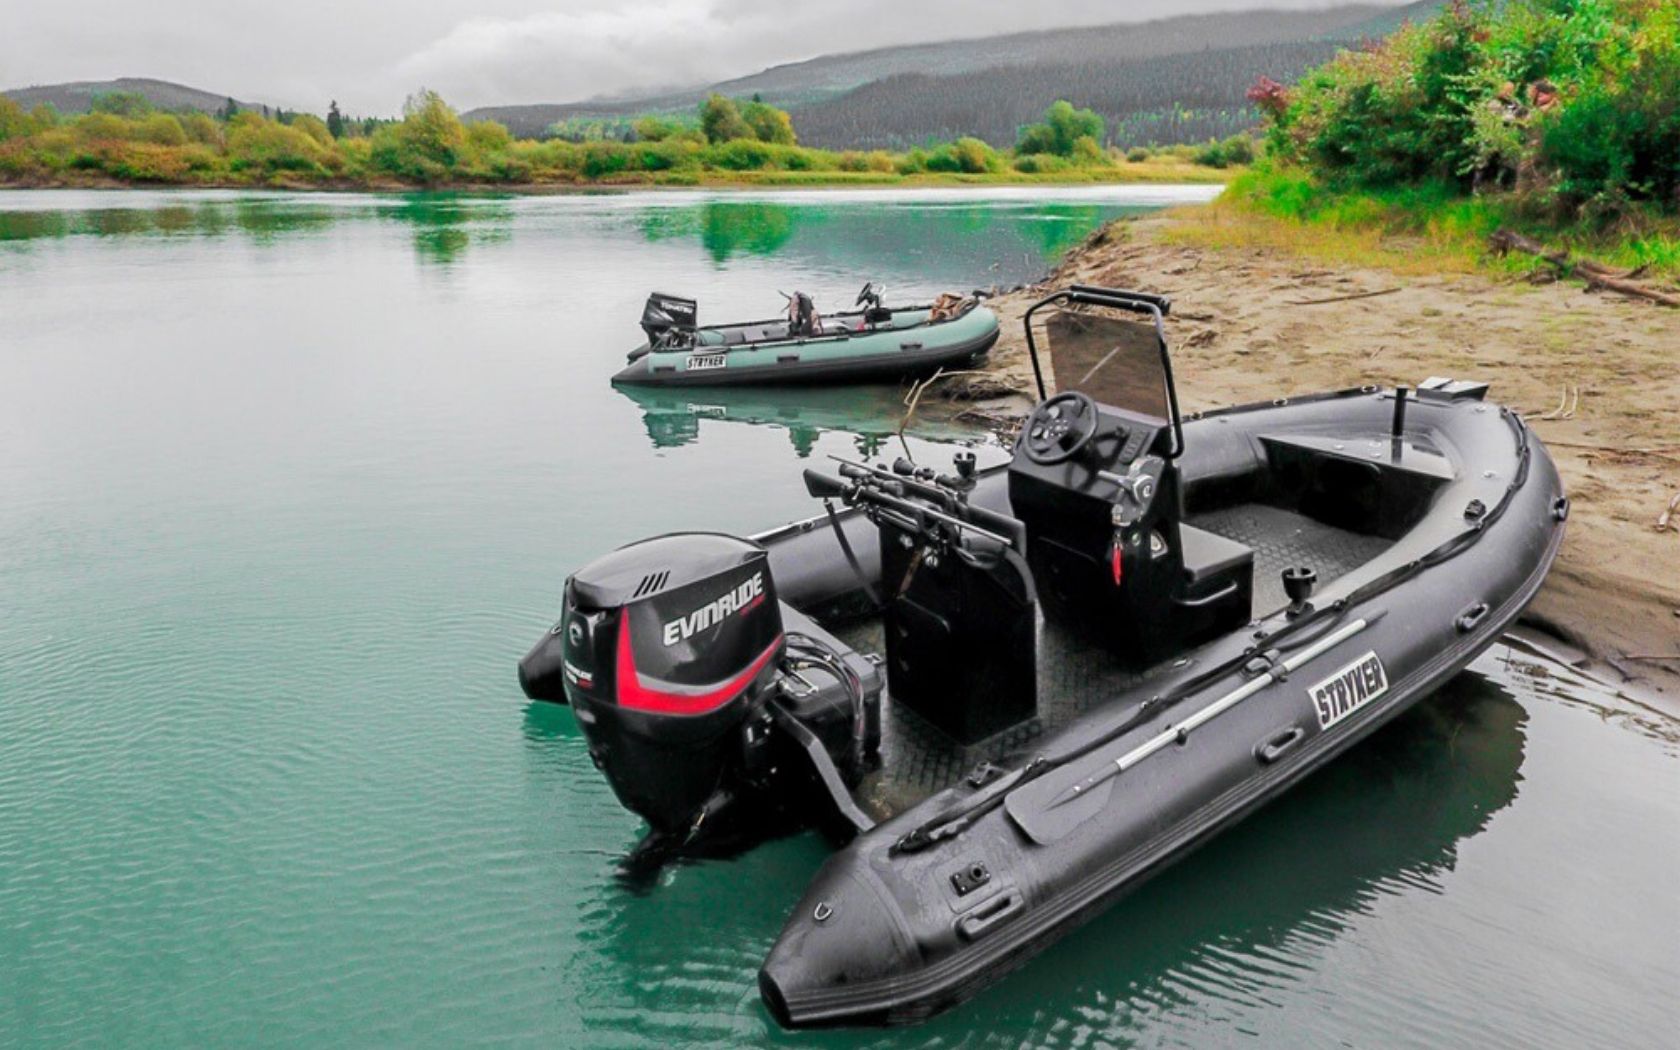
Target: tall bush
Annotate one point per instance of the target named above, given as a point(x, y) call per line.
point(1573, 102)
point(427, 145)
point(1062, 128)
point(265, 147)
point(721, 120)
point(769, 124)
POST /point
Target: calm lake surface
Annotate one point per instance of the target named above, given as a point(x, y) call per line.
point(289, 482)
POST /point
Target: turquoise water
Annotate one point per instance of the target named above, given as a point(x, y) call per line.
point(288, 483)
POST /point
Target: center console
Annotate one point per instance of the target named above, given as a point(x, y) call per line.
point(1096, 488)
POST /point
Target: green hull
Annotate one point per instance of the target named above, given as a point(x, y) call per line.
point(911, 346)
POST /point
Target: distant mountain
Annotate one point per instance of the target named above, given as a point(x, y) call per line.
point(77, 96)
point(1166, 96)
point(1170, 99)
point(1392, 18)
point(871, 98)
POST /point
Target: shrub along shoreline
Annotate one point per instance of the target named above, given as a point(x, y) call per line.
point(1557, 119)
point(1159, 172)
point(124, 142)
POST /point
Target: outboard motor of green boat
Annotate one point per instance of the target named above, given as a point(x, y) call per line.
point(669, 320)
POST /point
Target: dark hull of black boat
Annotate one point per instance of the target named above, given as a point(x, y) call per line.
point(886, 936)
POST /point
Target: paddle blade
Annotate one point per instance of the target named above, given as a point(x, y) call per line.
point(1046, 811)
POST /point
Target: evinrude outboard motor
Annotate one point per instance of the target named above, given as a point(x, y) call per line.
point(668, 644)
point(698, 706)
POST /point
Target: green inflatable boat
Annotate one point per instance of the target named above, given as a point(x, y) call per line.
point(871, 343)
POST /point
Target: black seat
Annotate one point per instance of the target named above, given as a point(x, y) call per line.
point(1218, 588)
point(1209, 557)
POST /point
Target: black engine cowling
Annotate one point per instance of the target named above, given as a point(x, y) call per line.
point(668, 317)
point(718, 714)
point(666, 647)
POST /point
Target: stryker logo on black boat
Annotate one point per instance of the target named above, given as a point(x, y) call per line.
point(1348, 690)
point(744, 597)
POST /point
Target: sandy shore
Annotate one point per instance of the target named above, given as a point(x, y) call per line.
point(1598, 378)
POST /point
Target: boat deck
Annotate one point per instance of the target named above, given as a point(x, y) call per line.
point(918, 760)
point(778, 330)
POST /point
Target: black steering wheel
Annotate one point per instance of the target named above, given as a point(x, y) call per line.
point(1059, 428)
point(868, 294)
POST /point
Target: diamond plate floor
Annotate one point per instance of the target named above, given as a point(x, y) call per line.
point(918, 760)
point(1282, 538)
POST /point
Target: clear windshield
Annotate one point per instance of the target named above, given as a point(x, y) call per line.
point(1111, 356)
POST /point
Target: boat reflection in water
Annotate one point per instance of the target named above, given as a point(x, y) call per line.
point(872, 413)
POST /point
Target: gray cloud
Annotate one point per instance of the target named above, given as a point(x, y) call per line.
point(369, 54)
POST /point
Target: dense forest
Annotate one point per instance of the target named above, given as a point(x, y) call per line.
point(1171, 99)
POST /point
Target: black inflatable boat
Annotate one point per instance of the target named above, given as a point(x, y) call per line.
point(870, 343)
point(1013, 695)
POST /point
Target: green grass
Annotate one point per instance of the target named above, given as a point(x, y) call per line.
point(1423, 227)
point(1166, 170)
point(125, 168)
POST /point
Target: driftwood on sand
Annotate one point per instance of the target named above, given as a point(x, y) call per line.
point(1597, 275)
point(1341, 298)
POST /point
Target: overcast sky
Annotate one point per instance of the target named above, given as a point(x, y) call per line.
point(369, 54)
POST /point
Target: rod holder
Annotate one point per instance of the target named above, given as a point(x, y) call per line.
point(1298, 581)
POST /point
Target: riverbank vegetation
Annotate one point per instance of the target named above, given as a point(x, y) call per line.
point(1555, 119)
point(124, 140)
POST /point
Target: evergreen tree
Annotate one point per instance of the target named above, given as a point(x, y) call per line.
point(229, 110)
point(335, 120)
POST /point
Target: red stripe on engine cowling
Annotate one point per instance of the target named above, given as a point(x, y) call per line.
point(632, 694)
